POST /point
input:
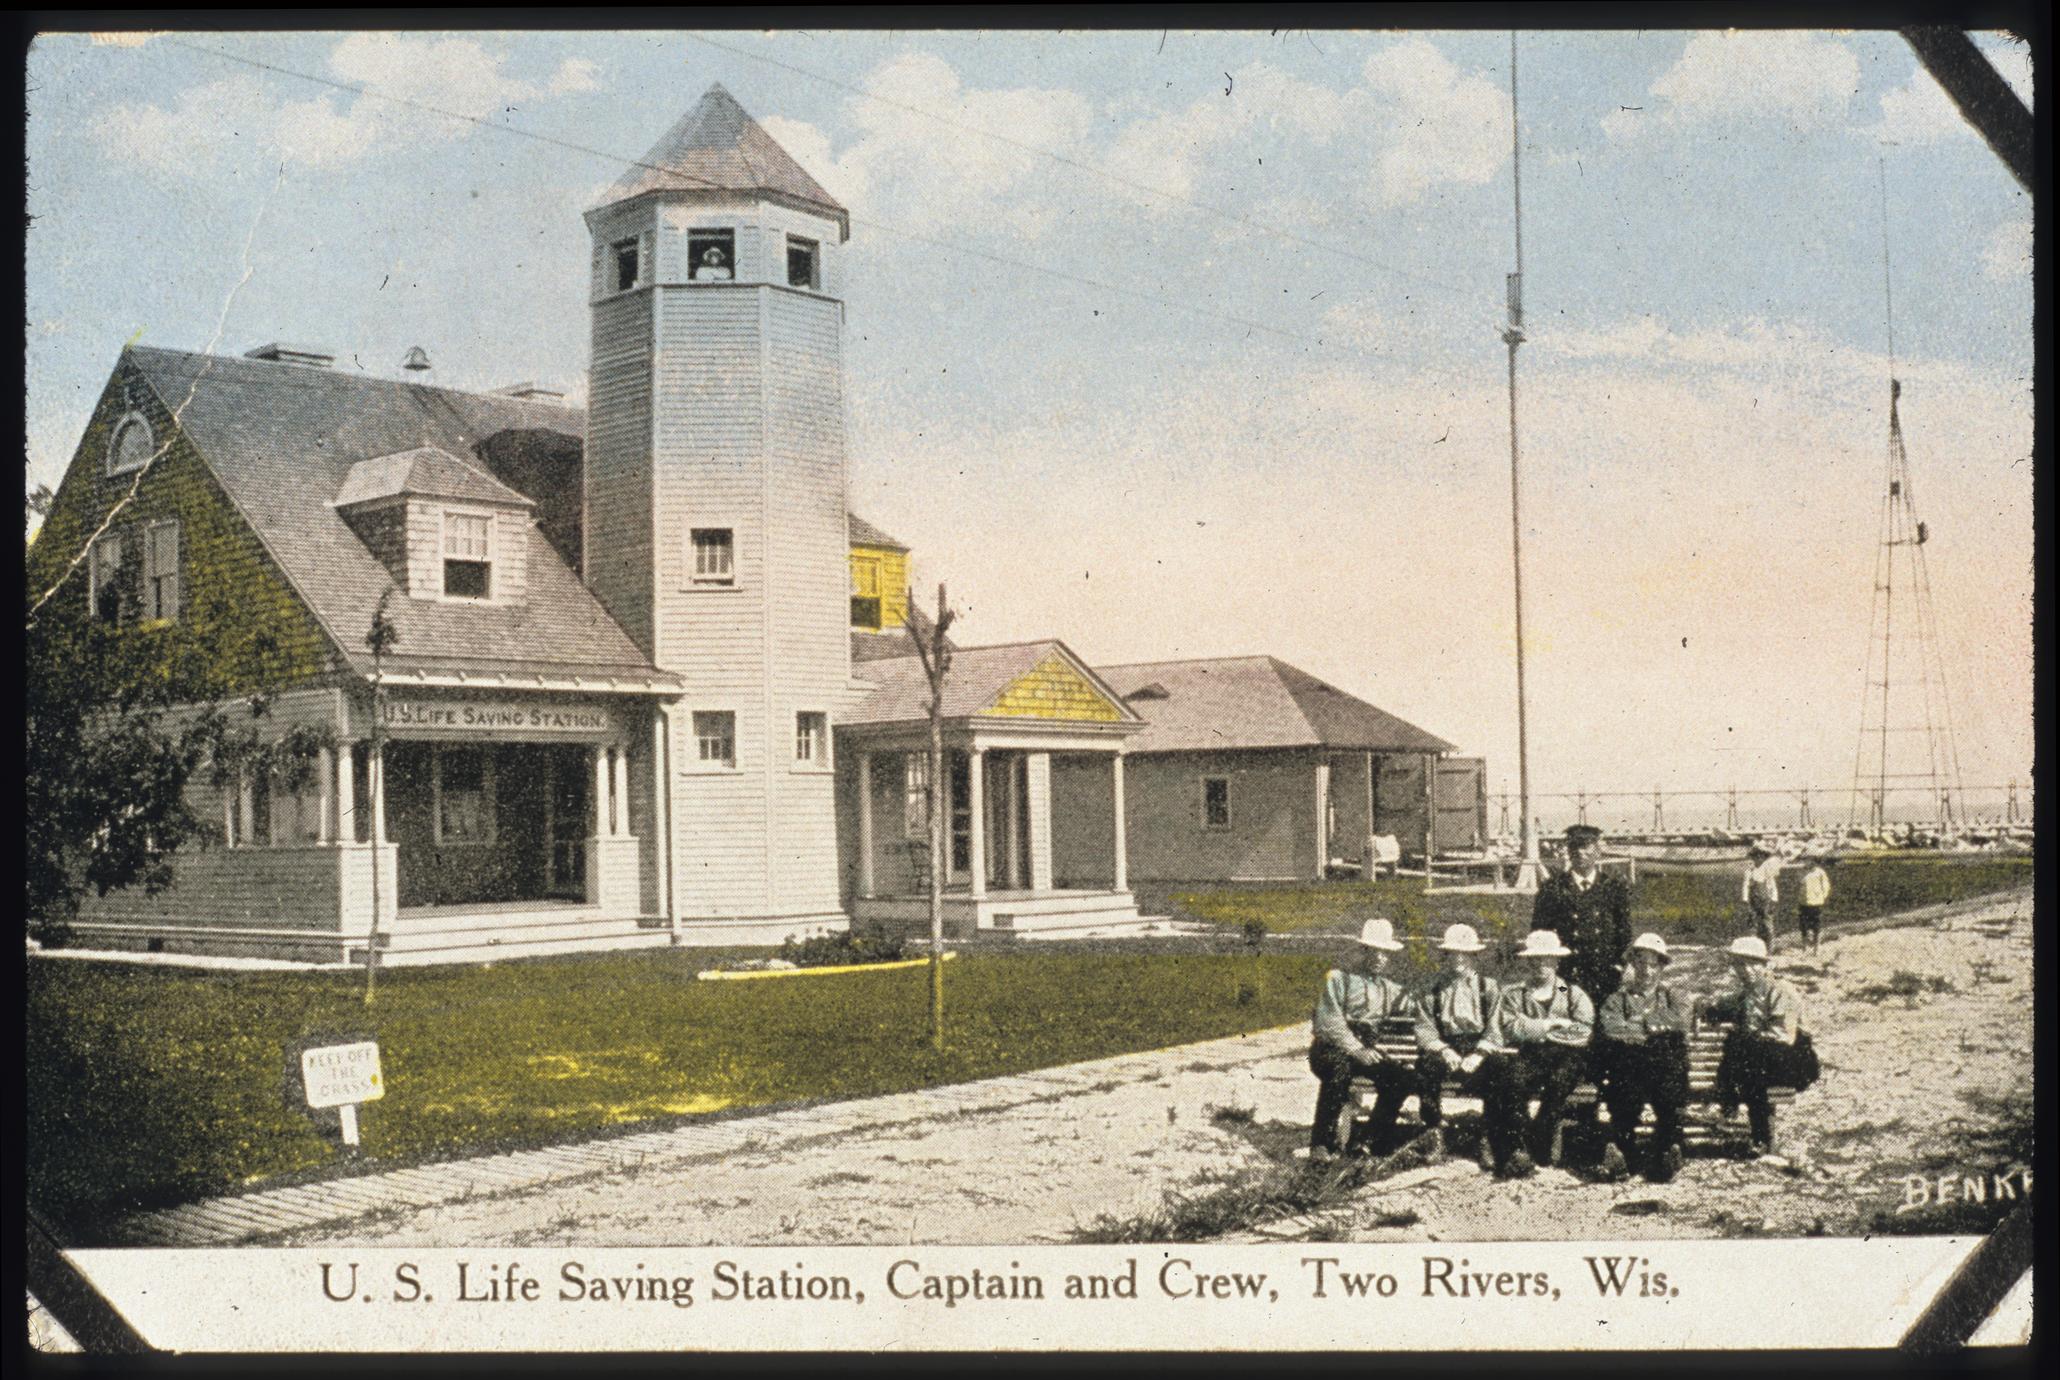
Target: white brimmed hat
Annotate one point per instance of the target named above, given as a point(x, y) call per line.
point(1544, 944)
point(1749, 946)
point(1461, 939)
point(1379, 934)
point(1652, 943)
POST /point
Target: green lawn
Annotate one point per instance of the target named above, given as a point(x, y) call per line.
point(149, 1085)
point(153, 1085)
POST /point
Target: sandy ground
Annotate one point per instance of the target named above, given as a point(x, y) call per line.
point(1907, 1081)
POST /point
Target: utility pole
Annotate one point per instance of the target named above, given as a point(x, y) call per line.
point(380, 638)
point(1513, 336)
point(935, 651)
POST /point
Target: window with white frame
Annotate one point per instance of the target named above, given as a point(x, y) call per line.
point(104, 577)
point(161, 570)
point(713, 555)
point(1215, 802)
point(461, 789)
point(715, 737)
point(812, 738)
point(865, 593)
point(915, 800)
point(467, 555)
point(131, 447)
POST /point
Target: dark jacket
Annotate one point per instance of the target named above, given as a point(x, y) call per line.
point(1595, 924)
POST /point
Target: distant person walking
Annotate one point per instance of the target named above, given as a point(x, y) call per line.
point(1590, 911)
point(1761, 891)
point(1342, 1045)
point(1816, 890)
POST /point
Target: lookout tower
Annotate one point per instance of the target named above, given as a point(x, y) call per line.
point(714, 486)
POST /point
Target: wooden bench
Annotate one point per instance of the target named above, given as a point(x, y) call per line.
point(1396, 1039)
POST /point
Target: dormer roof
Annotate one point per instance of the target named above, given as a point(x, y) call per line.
point(718, 147)
point(424, 472)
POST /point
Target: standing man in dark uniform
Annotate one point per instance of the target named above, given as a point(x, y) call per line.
point(1590, 911)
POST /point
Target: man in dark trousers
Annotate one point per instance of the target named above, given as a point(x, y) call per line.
point(1590, 911)
point(1343, 1046)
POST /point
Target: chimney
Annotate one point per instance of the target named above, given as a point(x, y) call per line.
point(280, 353)
point(416, 362)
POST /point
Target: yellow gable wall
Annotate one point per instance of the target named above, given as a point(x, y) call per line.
point(1054, 690)
point(892, 570)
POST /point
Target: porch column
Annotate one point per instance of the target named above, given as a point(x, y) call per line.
point(246, 816)
point(346, 793)
point(1122, 830)
point(865, 824)
point(976, 827)
point(1012, 810)
point(1322, 818)
point(325, 795)
point(601, 824)
point(618, 792)
point(375, 775)
point(1037, 795)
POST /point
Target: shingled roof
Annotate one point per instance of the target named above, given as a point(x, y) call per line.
point(978, 676)
point(1254, 702)
point(283, 438)
point(716, 146)
point(424, 471)
point(863, 533)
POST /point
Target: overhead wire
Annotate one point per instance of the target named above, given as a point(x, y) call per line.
point(1248, 323)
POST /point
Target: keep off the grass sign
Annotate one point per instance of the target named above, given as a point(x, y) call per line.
point(342, 1076)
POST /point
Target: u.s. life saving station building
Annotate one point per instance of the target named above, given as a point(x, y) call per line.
point(649, 683)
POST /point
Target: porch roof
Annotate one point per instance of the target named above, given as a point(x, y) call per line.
point(1018, 685)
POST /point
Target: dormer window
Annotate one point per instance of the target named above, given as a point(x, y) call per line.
point(713, 253)
point(104, 577)
point(131, 448)
point(623, 254)
point(467, 555)
point(803, 259)
point(865, 593)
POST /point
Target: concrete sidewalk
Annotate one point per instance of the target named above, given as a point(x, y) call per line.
point(1244, 1071)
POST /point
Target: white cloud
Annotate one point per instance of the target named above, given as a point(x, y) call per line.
point(1416, 121)
point(1806, 79)
point(575, 75)
point(1920, 112)
point(403, 73)
point(2008, 256)
point(933, 175)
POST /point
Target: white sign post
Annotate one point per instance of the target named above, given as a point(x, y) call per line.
point(342, 1076)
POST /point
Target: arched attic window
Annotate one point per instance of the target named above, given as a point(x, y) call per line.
point(132, 445)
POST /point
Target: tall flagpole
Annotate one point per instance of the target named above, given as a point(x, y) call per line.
point(1513, 336)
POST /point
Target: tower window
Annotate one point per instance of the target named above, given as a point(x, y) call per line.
point(715, 737)
point(714, 550)
point(625, 256)
point(812, 738)
point(1215, 802)
point(713, 253)
point(467, 560)
point(801, 263)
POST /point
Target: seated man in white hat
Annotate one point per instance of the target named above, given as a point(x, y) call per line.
point(1538, 1047)
point(1762, 1051)
point(1347, 1023)
point(1641, 1046)
point(1452, 1016)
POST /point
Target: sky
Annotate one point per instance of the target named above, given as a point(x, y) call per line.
point(1177, 344)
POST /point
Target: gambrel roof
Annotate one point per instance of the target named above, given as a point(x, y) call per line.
point(1254, 702)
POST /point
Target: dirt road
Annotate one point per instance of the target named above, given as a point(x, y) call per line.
point(1911, 1083)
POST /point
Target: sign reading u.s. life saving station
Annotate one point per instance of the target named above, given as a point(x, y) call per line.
point(494, 717)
